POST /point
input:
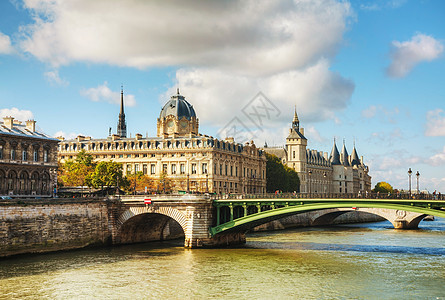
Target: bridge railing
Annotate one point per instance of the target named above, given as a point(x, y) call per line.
point(402, 196)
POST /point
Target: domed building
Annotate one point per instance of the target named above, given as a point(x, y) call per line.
point(193, 161)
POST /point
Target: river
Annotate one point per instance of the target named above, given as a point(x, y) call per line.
point(365, 261)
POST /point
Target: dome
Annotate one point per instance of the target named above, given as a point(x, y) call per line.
point(178, 107)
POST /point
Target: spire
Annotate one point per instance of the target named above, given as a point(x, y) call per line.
point(122, 125)
point(355, 161)
point(335, 156)
point(295, 120)
point(344, 155)
point(177, 91)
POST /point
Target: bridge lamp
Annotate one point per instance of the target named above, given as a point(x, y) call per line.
point(410, 172)
point(418, 175)
point(325, 175)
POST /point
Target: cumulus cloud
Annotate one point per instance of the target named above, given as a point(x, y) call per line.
point(246, 36)
point(406, 55)
point(102, 93)
point(218, 95)
point(5, 44)
point(53, 78)
point(21, 115)
point(435, 125)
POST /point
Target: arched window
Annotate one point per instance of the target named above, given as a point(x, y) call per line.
point(36, 155)
point(34, 182)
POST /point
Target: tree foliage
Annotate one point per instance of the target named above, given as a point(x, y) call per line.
point(108, 173)
point(137, 183)
point(383, 187)
point(164, 183)
point(279, 176)
point(77, 172)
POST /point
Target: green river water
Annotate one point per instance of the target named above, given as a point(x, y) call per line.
point(367, 261)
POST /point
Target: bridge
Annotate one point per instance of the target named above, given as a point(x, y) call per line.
point(208, 221)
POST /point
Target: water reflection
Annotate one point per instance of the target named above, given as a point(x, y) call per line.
point(360, 261)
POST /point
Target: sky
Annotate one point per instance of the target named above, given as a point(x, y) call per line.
point(363, 73)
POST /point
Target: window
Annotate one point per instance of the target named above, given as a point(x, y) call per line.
point(113, 156)
point(136, 168)
point(231, 170)
point(128, 155)
point(345, 177)
point(204, 168)
point(173, 168)
point(360, 175)
point(164, 168)
point(152, 169)
point(340, 183)
point(24, 155)
point(128, 168)
point(293, 154)
point(1, 152)
point(225, 167)
point(236, 171)
point(182, 168)
point(45, 156)
point(121, 156)
point(193, 168)
point(144, 169)
point(12, 154)
point(220, 169)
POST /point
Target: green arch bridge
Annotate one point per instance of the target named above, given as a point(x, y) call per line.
point(240, 213)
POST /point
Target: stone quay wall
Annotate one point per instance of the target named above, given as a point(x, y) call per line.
point(36, 226)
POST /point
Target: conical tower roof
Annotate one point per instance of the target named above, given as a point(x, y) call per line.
point(355, 161)
point(335, 156)
point(345, 156)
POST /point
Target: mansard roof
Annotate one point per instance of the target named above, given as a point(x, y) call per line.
point(20, 130)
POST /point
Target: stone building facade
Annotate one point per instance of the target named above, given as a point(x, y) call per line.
point(195, 162)
point(28, 160)
point(318, 171)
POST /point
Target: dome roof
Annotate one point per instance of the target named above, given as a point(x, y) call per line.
point(178, 107)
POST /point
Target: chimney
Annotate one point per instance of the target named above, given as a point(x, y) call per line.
point(138, 136)
point(31, 125)
point(8, 122)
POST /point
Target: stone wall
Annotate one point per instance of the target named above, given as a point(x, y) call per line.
point(34, 226)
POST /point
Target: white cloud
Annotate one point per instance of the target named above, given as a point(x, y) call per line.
point(406, 55)
point(369, 112)
point(53, 78)
point(435, 125)
point(384, 113)
point(67, 136)
point(102, 93)
point(5, 44)
point(18, 114)
point(219, 96)
point(437, 159)
point(247, 36)
point(376, 5)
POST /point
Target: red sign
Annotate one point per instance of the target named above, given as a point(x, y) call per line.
point(147, 201)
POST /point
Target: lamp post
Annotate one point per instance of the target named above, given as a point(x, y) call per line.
point(188, 183)
point(418, 175)
point(410, 172)
point(309, 179)
point(324, 176)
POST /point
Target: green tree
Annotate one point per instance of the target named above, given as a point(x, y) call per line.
point(279, 176)
point(108, 173)
point(165, 184)
point(383, 187)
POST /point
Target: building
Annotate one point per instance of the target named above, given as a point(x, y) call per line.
point(318, 171)
point(28, 160)
point(195, 162)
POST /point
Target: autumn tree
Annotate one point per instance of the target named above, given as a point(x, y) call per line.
point(383, 187)
point(77, 172)
point(108, 173)
point(137, 183)
point(164, 183)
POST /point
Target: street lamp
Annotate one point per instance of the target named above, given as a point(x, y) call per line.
point(410, 172)
point(325, 175)
point(309, 179)
point(418, 175)
point(188, 183)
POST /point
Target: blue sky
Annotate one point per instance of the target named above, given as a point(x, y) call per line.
point(369, 72)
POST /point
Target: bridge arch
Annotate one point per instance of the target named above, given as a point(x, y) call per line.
point(143, 224)
point(400, 215)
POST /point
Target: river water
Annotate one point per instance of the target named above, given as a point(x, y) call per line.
point(367, 261)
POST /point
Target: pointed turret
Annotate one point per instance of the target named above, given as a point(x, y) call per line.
point(295, 120)
point(344, 157)
point(335, 156)
point(122, 125)
point(355, 161)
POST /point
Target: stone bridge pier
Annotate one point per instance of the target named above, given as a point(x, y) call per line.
point(154, 218)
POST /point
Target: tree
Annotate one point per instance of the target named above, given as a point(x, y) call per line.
point(77, 172)
point(383, 187)
point(108, 173)
point(165, 184)
point(279, 176)
point(137, 183)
